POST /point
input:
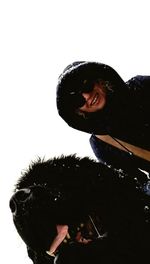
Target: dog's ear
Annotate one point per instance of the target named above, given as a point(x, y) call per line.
point(39, 258)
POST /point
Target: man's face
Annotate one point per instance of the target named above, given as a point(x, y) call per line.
point(94, 100)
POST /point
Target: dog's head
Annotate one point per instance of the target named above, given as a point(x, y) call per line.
point(87, 203)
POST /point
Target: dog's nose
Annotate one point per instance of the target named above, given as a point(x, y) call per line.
point(18, 199)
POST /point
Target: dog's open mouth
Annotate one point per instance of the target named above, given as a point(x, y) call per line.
point(85, 232)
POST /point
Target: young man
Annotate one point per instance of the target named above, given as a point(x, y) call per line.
point(93, 98)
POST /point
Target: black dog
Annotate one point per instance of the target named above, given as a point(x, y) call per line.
point(104, 212)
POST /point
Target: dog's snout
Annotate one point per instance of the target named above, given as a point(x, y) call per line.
point(18, 199)
point(22, 195)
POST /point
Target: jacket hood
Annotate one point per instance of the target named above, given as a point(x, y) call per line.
point(77, 78)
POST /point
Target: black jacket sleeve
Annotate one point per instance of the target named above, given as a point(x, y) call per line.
point(139, 90)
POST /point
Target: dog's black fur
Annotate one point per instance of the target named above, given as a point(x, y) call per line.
point(67, 190)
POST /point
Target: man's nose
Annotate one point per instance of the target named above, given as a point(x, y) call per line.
point(86, 96)
point(18, 200)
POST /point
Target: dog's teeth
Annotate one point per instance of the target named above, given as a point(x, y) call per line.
point(68, 236)
point(50, 254)
point(82, 225)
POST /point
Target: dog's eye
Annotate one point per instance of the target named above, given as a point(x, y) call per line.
point(56, 195)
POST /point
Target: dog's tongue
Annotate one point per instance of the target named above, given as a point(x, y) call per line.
point(62, 231)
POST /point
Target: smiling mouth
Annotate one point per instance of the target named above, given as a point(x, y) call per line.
point(95, 99)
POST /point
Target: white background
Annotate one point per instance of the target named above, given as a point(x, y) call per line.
point(38, 39)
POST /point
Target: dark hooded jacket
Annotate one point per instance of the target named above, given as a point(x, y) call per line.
point(126, 114)
point(117, 158)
